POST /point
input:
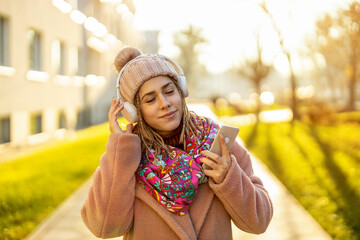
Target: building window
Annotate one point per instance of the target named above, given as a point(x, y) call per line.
point(4, 42)
point(57, 57)
point(81, 5)
point(62, 120)
point(4, 130)
point(81, 119)
point(73, 61)
point(73, 3)
point(34, 41)
point(82, 54)
point(35, 123)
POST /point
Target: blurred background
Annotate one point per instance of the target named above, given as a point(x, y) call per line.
point(285, 72)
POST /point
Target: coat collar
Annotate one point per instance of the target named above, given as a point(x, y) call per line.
point(185, 227)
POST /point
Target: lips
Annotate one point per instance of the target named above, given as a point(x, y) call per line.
point(169, 115)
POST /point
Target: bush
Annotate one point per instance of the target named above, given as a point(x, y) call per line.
point(350, 117)
point(318, 164)
point(317, 112)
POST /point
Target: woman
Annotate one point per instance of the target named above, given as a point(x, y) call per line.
point(151, 184)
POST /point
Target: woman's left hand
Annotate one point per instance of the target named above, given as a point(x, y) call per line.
point(219, 164)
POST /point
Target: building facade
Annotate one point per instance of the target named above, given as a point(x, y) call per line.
point(56, 65)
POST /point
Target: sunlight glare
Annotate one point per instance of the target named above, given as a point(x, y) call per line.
point(231, 27)
point(283, 115)
point(267, 97)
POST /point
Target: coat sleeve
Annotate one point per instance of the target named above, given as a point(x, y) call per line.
point(243, 194)
point(108, 209)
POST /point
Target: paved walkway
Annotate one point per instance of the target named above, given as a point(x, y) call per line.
point(290, 221)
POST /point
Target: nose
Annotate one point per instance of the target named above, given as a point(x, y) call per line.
point(164, 102)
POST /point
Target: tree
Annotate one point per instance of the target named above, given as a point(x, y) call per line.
point(330, 47)
point(287, 53)
point(338, 40)
point(188, 41)
point(256, 71)
point(350, 23)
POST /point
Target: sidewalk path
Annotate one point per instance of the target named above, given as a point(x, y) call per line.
point(290, 222)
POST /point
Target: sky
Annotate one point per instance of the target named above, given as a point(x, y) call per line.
point(230, 26)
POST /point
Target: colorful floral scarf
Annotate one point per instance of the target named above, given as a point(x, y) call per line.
point(173, 180)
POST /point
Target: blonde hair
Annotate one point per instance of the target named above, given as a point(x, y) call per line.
point(150, 139)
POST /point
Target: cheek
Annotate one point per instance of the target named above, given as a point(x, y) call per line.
point(179, 104)
point(176, 100)
point(143, 112)
point(146, 112)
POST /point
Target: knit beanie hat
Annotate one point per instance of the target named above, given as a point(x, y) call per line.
point(139, 68)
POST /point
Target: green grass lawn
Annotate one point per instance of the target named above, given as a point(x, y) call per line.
point(319, 165)
point(32, 186)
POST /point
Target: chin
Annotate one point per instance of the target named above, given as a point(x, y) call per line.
point(170, 126)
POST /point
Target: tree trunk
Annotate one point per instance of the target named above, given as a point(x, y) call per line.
point(332, 85)
point(258, 103)
point(293, 89)
point(354, 62)
point(352, 88)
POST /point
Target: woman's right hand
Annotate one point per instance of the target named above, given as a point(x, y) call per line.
point(113, 116)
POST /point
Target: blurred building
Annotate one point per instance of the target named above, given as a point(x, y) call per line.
point(56, 64)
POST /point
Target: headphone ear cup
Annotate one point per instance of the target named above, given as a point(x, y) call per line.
point(130, 112)
point(183, 85)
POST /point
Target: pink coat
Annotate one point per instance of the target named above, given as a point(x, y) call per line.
point(117, 205)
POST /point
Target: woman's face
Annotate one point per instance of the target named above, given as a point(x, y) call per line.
point(160, 104)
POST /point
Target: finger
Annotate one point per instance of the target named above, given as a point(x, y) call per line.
point(211, 173)
point(224, 149)
point(117, 102)
point(118, 110)
point(116, 115)
point(115, 110)
point(113, 101)
point(113, 115)
point(209, 163)
point(212, 156)
point(113, 105)
point(208, 172)
point(129, 128)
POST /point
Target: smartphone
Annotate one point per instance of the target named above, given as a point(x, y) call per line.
point(229, 133)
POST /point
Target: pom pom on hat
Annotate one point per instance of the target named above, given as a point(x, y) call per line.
point(124, 56)
point(139, 68)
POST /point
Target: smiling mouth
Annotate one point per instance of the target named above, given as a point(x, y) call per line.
point(169, 115)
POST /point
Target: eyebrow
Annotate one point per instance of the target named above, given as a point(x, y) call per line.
point(153, 92)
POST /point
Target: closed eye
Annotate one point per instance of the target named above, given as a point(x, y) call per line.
point(150, 100)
